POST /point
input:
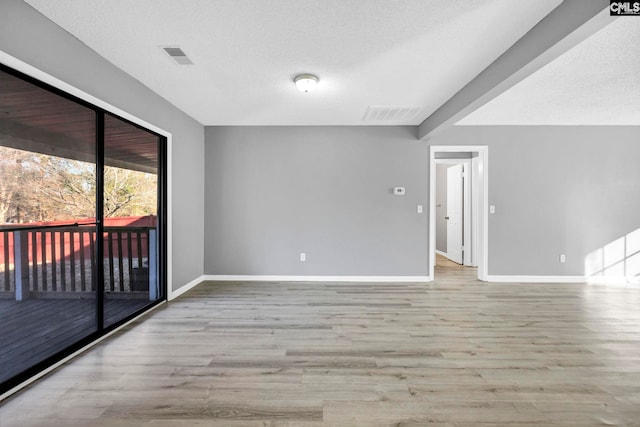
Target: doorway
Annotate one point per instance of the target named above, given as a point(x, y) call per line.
point(453, 211)
point(458, 223)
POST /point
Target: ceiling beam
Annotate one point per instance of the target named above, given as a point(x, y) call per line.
point(565, 27)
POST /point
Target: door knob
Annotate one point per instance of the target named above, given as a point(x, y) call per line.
point(446, 217)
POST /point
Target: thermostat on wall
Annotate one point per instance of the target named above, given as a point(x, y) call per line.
point(398, 191)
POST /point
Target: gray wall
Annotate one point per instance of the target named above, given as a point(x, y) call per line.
point(273, 192)
point(441, 207)
point(557, 189)
point(32, 38)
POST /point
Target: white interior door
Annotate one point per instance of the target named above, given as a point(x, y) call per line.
point(454, 213)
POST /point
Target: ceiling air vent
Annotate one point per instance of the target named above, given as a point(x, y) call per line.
point(385, 113)
point(177, 55)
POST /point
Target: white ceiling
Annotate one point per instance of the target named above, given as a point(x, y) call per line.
point(595, 83)
point(388, 53)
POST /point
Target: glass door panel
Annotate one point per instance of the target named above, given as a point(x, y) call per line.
point(47, 224)
point(131, 223)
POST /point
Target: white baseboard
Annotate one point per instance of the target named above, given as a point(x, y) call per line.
point(614, 280)
point(260, 278)
point(184, 288)
point(391, 279)
point(536, 279)
point(444, 254)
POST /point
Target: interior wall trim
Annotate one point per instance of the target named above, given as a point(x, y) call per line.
point(171, 294)
point(287, 278)
point(536, 279)
point(482, 249)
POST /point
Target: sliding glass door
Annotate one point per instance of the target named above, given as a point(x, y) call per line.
point(81, 224)
point(131, 231)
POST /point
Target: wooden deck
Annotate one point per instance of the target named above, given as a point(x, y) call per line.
point(32, 330)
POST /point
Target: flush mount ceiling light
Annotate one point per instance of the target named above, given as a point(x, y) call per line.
point(306, 82)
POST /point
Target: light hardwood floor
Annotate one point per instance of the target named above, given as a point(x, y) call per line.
point(446, 264)
point(454, 352)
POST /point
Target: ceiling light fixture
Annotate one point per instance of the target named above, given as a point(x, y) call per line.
point(306, 82)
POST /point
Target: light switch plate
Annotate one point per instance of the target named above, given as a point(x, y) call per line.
point(492, 209)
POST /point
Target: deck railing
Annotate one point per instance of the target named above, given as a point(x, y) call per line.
point(60, 261)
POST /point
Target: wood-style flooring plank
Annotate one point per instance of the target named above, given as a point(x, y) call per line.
point(454, 352)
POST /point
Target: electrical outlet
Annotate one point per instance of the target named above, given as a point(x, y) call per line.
point(562, 258)
point(303, 257)
point(419, 209)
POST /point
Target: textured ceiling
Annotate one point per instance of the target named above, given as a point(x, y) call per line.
point(595, 83)
point(367, 53)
